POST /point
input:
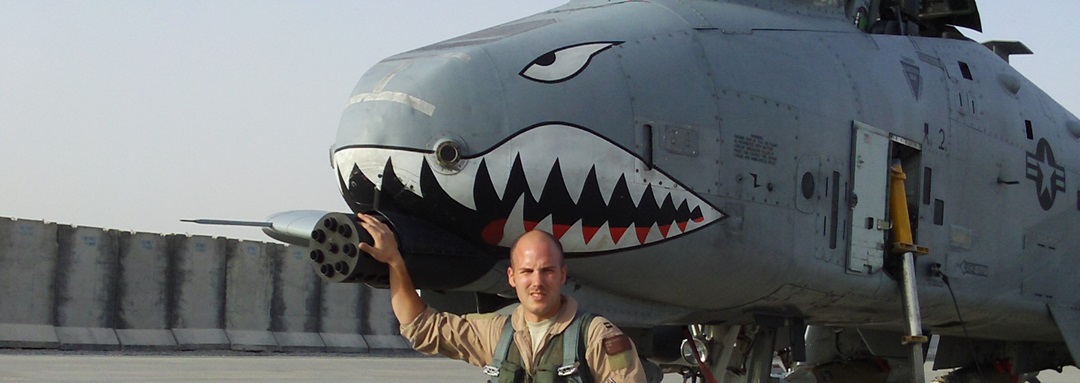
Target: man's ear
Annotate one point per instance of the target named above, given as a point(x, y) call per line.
point(510, 276)
point(564, 271)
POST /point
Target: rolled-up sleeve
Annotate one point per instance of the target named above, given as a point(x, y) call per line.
point(470, 338)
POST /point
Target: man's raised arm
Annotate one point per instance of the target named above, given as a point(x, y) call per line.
point(407, 304)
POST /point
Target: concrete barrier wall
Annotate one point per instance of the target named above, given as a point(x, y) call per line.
point(296, 306)
point(87, 266)
point(249, 286)
point(342, 319)
point(89, 288)
point(380, 325)
point(143, 290)
point(27, 265)
point(198, 300)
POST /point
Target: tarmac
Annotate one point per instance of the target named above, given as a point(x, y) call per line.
point(230, 367)
point(398, 367)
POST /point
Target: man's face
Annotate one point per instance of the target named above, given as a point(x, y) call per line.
point(537, 273)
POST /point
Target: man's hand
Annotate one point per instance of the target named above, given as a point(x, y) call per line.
point(407, 304)
point(386, 247)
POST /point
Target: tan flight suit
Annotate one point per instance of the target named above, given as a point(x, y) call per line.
point(473, 338)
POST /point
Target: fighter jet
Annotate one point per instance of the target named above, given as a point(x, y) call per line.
point(834, 183)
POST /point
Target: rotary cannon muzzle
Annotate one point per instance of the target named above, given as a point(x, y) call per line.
point(436, 259)
point(334, 254)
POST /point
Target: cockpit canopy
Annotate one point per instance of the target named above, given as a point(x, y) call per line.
point(928, 18)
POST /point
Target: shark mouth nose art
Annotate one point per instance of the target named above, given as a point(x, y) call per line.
point(591, 194)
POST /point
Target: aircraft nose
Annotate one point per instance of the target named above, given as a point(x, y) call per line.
point(418, 101)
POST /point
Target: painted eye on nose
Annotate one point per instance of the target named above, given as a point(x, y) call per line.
point(564, 63)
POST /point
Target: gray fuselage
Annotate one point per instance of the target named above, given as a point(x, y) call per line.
point(772, 124)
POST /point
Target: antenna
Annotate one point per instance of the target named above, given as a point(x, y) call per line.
point(223, 222)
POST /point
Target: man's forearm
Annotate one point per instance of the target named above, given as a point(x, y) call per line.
point(407, 304)
point(403, 297)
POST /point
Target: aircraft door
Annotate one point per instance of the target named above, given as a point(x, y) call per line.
point(868, 198)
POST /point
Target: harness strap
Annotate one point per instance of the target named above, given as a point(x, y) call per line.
point(501, 350)
point(570, 361)
point(573, 347)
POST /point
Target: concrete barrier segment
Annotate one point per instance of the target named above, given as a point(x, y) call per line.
point(344, 342)
point(197, 277)
point(143, 289)
point(296, 305)
point(387, 343)
point(18, 335)
point(87, 268)
point(341, 316)
point(28, 251)
point(379, 316)
point(249, 286)
point(381, 329)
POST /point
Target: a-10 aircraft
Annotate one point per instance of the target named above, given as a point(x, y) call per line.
point(832, 182)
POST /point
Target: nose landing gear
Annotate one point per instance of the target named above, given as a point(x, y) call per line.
point(731, 354)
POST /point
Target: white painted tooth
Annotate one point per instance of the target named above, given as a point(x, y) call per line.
point(710, 214)
point(654, 235)
point(460, 186)
point(574, 175)
point(611, 162)
point(577, 150)
point(515, 223)
point(573, 240)
point(343, 162)
point(544, 224)
point(407, 167)
point(661, 195)
point(602, 240)
point(371, 162)
point(537, 166)
point(606, 181)
point(674, 230)
point(691, 225)
point(678, 197)
point(637, 189)
point(498, 165)
point(629, 238)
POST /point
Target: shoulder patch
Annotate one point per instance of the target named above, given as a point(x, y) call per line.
point(617, 344)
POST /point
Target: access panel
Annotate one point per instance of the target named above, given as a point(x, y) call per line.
point(869, 174)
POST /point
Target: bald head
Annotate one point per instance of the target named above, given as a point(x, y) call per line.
point(537, 273)
point(536, 240)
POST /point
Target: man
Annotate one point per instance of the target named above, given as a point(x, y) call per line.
point(543, 321)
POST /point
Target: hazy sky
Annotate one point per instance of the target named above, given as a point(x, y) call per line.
point(134, 114)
